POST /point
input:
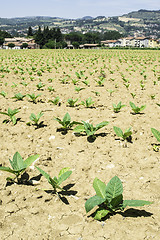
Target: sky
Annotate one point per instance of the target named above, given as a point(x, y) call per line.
point(74, 9)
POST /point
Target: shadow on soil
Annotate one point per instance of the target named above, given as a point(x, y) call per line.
point(65, 192)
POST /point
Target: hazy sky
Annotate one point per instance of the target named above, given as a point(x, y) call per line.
point(73, 8)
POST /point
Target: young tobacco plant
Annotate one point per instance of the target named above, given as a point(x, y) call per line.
point(137, 109)
point(78, 89)
point(126, 135)
point(18, 165)
point(35, 119)
point(33, 97)
point(87, 103)
point(72, 102)
point(109, 198)
point(40, 85)
point(66, 122)
point(89, 129)
point(11, 113)
point(156, 133)
point(117, 108)
point(55, 101)
point(19, 96)
point(55, 182)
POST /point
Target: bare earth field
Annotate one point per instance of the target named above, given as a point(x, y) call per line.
point(28, 212)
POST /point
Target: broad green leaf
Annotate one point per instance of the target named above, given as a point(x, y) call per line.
point(114, 188)
point(100, 188)
point(133, 106)
point(79, 129)
point(17, 162)
point(7, 169)
point(117, 201)
point(92, 202)
point(135, 203)
point(142, 107)
point(102, 124)
point(30, 160)
point(118, 131)
point(63, 170)
point(156, 133)
point(119, 105)
point(64, 176)
point(32, 117)
point(101, 214)
point(67, 118)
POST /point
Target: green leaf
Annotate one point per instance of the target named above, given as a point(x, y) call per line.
point(63, 170)
point(135, 203)
point(4, 113)
point(100, 188)
point(101, 214)
point(46, 175)
point(118, 131)
point(127, 133)
point(92, 202)
point(79, 129)
point(102, 124)
point(63, 177)
point(114, 188)
point(30, 160)
point(7, 169)
point(133, 106)
point(14, 120)
point(156, 133)
point(17, 162)
point(142, 107)
point(67, 118)
point(117, 201)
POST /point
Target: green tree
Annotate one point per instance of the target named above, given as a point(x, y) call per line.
point(30, 32)
point(1, 41)
point(25, 45)
point(11, 45)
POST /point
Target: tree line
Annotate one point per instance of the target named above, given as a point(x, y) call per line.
point(53, 37)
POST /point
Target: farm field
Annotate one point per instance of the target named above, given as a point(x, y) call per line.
point(95, 79)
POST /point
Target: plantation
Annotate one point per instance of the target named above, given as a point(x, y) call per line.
point(90, 118)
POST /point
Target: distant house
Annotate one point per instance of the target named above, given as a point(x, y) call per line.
point(18, 42)
point(111, 43)
point(89, 46)
point(137, 42)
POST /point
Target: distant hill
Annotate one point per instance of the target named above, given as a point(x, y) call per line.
point(142, 22)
